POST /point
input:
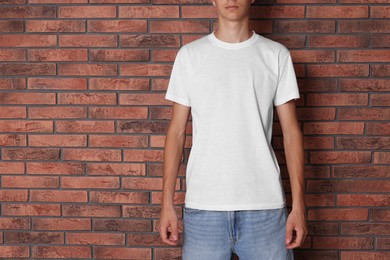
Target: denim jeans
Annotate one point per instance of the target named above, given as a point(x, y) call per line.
point(250, 234)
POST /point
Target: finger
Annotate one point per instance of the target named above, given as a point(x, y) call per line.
point(174, 232)
point(164, 235)
point(289, 233)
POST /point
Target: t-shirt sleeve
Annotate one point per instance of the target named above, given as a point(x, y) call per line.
point(177, 89)
point(287, 86)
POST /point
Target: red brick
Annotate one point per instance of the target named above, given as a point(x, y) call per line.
point(87, 40)
point(11, 167)
point(307, 26)
point(363, 200)
point(132, 225)
point(90, 182)
point(158, 11)
point(14, 209)
point(312, 56)
point(28, 12)
point(380, 214)
point(363, 142)
point(55, 26)
point(337, 99)
point(149, 40)
point(338, 41)
point(318, 85)
point(12, 140)
point(95, 238)
point(380, 40)
point(142, 99)
point(343, 243)
point(120, 252)
point(381, 157)
point(12, 69)
point(123, 26)
point(119, 55)
point(14, 251)
point(145, 70)
point(78, 126)
point(383, 243)
point(12, 112)
point(337, 12)
point(12, 83)
point(134, 183)
point(95, 11)
point(63, 251)
point(13, 195)
point(57, 112)
point(34, 237)
point(380, 70)
point(87, 98)
point(329, 214)
point(182, 26)
point(92, 154)
point(142, 126)
point(61, 224)
point(12, 55)
point(29, 182)
point(57, 83)
point(165, 253)
point(119, 84)
point(359, 255)
point(119, 197)
point(364, 26)
point(364, 113)
point(58, 140)
point(344, 186)
point(143, 211)
point(11, 25)
point(27, 40)
point(8, 223)
point(337, 70)
point(58, 196)
point(118, 141)
point(27, 98)
point(336, 157)
point(380, 12)
point(333, 128)
point(58, 55)
point(125, 169)
point(143, 155)
point(372, 171)
point(55, 168)
point(30, 153)
point(365, 229)
point(118, 112)
point(380, 100)
point(79, 210)
point(378, 128)
point(319, 200)
point(87, 69)
point(364, 84)
point(363, 56)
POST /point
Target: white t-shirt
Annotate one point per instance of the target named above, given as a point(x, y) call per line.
point(231, 89)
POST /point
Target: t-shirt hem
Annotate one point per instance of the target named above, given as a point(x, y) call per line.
point(235, 207)
point(285, 100)
point(177, 100)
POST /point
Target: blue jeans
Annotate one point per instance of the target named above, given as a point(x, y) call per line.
point(250, 234)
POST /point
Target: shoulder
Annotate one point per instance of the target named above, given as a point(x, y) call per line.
point(276, 48)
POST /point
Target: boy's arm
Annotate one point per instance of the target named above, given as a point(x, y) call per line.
point(293, 147)
point(173, 151)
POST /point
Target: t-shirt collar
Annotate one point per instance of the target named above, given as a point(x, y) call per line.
point(237, 45)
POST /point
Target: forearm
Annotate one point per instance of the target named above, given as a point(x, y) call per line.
point(293, 146)
point(173, 152)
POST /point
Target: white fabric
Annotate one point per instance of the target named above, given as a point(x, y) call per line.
point(231, 89)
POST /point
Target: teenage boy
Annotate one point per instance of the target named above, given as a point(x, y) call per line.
point(231, 80)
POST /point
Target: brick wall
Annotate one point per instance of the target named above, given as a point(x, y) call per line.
point(83, 119)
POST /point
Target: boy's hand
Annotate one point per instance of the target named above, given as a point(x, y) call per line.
point(168, 226)
point(296, 221)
